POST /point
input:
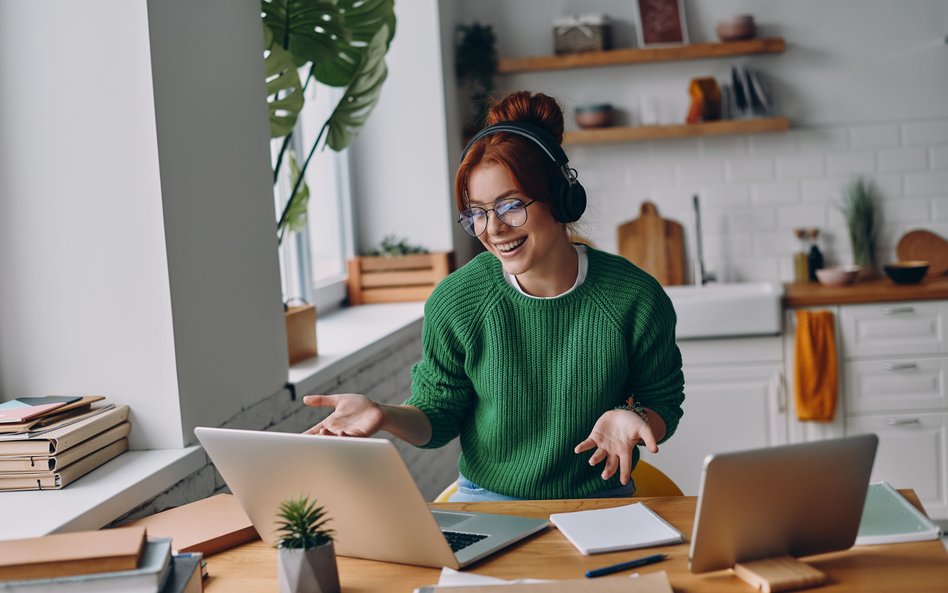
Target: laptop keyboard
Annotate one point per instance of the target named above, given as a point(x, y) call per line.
point(459, 540)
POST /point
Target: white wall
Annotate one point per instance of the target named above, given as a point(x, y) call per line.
point(137, 253)
point(401, 170)
point(863, 82)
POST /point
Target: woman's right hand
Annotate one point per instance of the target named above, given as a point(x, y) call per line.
point(354, 415)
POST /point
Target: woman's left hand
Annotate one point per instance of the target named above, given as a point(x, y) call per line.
point(614, 437)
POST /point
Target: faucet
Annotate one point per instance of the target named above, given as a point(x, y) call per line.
point(701, 276)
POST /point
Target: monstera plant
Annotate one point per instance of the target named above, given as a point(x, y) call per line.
point(340, 43)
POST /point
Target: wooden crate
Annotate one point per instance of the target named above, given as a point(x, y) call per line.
point(396, 279)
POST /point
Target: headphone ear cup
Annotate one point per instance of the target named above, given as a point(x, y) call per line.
point(569, 201)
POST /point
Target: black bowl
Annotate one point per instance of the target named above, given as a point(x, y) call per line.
point(906, 272)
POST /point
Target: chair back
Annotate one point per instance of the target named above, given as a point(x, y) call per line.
point(651, 481)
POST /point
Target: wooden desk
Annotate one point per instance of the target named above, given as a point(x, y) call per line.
point(920, 566)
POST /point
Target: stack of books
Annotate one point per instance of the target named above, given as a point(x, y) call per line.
point(111, 560)
point(49, 442)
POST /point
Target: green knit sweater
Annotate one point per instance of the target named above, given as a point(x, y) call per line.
point(523, 380)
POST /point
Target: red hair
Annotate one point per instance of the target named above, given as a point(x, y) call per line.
point(529, 167)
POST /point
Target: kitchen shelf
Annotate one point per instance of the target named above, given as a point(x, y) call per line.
point(644, 133)
point(694, 51)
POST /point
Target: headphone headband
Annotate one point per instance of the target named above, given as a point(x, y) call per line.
point(538, 134)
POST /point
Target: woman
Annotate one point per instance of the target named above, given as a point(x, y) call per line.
point(538, 350)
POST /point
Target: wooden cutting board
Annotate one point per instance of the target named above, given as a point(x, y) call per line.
point(924, 245)
point(654, 244)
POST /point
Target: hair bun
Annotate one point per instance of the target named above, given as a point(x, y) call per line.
point(535, 108)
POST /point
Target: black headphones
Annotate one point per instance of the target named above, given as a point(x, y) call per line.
point(567, 195)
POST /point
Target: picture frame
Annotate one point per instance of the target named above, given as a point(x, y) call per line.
point(660, 23)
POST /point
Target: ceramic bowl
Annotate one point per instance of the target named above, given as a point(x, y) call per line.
point(840, 276)
point(906, 272)
point(598, 115)
point(736, 28)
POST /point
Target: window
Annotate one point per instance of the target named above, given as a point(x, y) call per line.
point(313, 260)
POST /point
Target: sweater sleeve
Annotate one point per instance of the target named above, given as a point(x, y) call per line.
point(656, 379)
point(440, 386)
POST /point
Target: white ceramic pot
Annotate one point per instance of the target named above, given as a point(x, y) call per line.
point(308, 571)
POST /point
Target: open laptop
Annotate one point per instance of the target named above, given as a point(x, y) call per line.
point(794, 500)
point(375, 507)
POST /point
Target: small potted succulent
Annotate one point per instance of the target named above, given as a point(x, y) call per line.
point(306, 559)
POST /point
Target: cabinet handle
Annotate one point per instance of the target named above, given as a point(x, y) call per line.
point(899, 366)
point(897, 310)
point(902, 421)
point(779, 385)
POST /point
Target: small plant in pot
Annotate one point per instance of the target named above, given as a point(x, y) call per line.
point(306, 560)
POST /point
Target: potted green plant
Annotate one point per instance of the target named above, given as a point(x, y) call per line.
point(306, 558)
point(396, 271)
point(339, 43)
point(475, 64)
point(859, 209)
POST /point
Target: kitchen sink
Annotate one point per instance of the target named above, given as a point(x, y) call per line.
point(723, 310)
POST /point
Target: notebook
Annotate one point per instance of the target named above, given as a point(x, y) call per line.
point(889, 518)
point(618, 528)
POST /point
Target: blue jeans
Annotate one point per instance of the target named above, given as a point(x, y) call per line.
point(468, 491)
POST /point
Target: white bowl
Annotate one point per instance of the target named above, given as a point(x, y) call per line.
point(840, 276)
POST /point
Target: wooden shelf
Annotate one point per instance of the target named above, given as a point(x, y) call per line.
point(643, 133)
point(695, 51)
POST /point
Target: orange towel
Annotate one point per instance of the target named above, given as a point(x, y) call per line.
point(816, 370)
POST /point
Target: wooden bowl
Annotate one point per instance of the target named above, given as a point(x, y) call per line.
point(906, 272)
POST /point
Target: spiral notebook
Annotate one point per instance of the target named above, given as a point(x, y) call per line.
point(619, 528)
point(889, 518)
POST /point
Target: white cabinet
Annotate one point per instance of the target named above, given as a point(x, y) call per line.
point(734, 399)
point(893, 361)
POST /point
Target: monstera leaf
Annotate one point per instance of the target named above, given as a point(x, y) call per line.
point(362, 94)
point(363, 19)
point(310, 30)
point(284, 91)
point(296, 208)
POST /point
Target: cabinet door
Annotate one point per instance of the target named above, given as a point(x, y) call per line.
point(726, 409)
point(893, 329)
point(895, 384)
point(912, 454)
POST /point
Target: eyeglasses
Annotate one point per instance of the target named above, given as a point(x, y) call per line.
point(511, 211)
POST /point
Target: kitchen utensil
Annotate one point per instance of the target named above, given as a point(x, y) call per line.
point(926, 246)
point(654, 244)
point(906, 272)
point(839, 276)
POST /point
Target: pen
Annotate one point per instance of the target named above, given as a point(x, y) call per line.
point(598, 572)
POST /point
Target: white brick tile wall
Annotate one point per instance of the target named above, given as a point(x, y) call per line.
point(939, 157)
point(922, 184)
point(801, 166)
point(775, 182)
point(905, 159)
point(699, 171)
point(874, 136)
point(721, 147)
point(925, 133)
point(823, 140)
point(750, 169)
point(777, 144)
point(851, 163)
point(777, 192)
point(940, 209)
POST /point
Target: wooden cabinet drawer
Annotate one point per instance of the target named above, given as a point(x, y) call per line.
point(912, 454)
point(881, 385)
point(893, 329)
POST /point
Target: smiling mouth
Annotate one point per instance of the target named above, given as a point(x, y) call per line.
point(510, 245)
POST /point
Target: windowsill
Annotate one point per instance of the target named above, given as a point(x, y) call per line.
point(99, 497)
point(348, 337)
